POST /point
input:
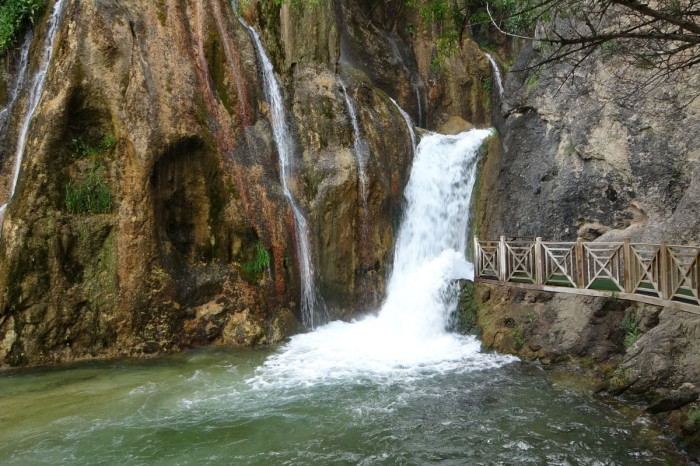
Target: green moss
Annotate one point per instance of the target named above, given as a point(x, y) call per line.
point(3, 92)
point(100, 277)
point(532, 81)
point(231, 188)
point(162, 13)
point(216, 62)
point(311, 183)
point(467, 310)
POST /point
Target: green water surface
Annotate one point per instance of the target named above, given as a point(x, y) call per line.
point(200, 408)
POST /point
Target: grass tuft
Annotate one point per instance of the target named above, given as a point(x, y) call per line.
point(92, 196)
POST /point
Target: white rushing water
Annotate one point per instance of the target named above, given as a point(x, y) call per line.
point(409, 124)
point(35, 90)
point(361, 149)
point(313, 311)
point(407, 339)
point(16, 89)
point(497, 73)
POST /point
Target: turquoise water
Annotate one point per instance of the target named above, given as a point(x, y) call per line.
point(209, 407)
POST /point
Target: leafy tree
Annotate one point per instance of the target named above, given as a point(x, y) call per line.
point(661, 36)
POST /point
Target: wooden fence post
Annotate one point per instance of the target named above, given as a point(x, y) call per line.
point(539, 265)
point(664, 271)
point(477, 258)
point(627, 257)
point(502, 273)
point(579, 264)
point(697, 273)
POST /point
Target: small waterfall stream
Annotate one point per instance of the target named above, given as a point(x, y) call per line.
point(312, 309)
point(35, 90)
point(16, 89)
point(361, 151)
point(409, 124)
point(497, 73)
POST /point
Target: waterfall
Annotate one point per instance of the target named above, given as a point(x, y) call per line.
point(497, 73)
point(313, 311)
point(361, 150)
point(409, 124)
point(407, 338)
point(36, 87)
point(16, 89)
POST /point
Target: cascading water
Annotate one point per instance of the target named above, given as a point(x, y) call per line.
point(361, 150)
point(36, 87)
point(497, 73)
point(16, 89)
point(313, 311)
point(408, 337)
point(409, 124)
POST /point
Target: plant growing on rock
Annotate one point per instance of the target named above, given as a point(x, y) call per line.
point(465, 319)
point(629, 324)
point(694, 414)
point(14, 15)
point(92, 196)
point(82, 149)
point(261, 262)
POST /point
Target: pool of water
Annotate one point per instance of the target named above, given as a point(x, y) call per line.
point(224, 406)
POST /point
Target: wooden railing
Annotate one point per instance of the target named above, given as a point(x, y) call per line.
point(660, 274)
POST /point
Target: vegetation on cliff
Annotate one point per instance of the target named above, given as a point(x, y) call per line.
point(14, 15)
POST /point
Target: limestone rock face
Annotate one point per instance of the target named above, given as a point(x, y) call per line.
point(193, 171)
point(594, 157)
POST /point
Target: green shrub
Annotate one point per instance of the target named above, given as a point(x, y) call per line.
point(92, 196)
point(14, 15)
point(85, 150)
point(261, 262)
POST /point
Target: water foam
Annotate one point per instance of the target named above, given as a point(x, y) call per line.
point(407, 339)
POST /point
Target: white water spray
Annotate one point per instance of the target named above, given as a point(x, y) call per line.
point(408, 338)
point(409, 124)
point(497, 73)
point(35, 90)
point(313, 311)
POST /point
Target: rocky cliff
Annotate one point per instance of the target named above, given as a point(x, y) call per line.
point(150, 183)
point(587, 153)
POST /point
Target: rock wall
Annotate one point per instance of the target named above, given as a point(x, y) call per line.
point(587, 154)
point(193, 171)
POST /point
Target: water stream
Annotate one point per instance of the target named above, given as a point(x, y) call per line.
point(497, 73)
point(361, 152)
point(312, 309)
point(409, 124)
point(21, 80)
point(36, 87)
